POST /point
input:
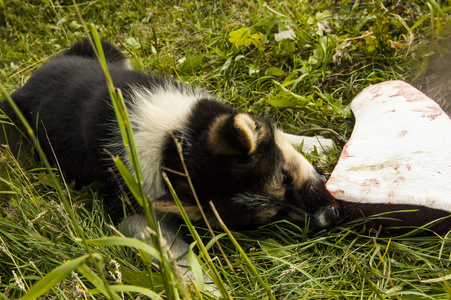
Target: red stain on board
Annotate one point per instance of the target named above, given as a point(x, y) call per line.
point(399, 179)
point(409, 94)
point(373, 182)
point(431, 112)
point(332, 185)
point(376, 91)
point(415, 96)
point(339, 192)
point(396, 95)
point(345, 153)
point(369, 184)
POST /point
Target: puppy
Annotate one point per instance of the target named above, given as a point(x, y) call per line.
point(243, 164)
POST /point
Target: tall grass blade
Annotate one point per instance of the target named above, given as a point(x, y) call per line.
point(131, 289)
point(124, 241)
point(440, 12)
point(215, 274)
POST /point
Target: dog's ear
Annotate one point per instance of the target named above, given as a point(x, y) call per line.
point(234, 135)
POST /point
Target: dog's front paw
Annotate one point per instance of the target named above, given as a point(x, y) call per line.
point(321, 143)
point(309, 143)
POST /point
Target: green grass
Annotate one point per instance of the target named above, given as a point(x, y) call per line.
point(302, 84)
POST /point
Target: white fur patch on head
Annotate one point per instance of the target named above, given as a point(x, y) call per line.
point(153, 114)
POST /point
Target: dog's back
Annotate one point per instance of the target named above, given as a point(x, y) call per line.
point(60, 101)
point(68, 103)
point(85, 49)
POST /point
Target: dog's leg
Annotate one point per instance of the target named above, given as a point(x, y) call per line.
point(136, 226)
point(310, 142)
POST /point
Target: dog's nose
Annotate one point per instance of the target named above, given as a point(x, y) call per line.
point(333, 213)
point(327, 216)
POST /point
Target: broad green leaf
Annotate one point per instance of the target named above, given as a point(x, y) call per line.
point(286, 98)
point(244, 37)
point(322, 16)
point(141, 278)
point(273, 71)
point(237, 37)
point(54, 277)
point(145, 257)
point(191, 64)
point(132, 43)
point(195, 267)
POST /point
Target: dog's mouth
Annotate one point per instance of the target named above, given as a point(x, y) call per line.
point(312, 201)
point(326, 216)
point(322, 218)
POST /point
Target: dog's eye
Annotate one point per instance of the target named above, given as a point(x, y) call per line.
point(286, 178)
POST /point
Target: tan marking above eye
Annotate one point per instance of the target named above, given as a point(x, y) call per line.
point(295, 163)
point(274, 186)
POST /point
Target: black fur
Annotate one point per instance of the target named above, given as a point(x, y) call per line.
point(84, 49)
point(68, 103)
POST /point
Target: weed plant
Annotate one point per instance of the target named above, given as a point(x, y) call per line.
point(299, 63)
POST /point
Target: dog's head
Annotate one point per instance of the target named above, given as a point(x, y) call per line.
point(252, 175)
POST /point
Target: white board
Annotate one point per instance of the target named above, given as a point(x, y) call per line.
point(399, 151)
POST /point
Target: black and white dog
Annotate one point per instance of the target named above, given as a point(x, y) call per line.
point(243, 164)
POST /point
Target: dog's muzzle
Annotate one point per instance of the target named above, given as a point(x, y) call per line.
point(327, 216)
